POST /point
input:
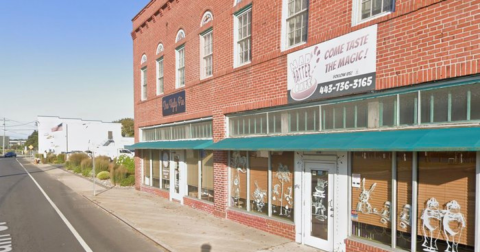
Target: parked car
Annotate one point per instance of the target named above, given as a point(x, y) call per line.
point(10, 154)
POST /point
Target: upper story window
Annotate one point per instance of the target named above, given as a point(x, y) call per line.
point(207, 17)
point(180, 36)
point(440, 105)
point(206, 51)
point(159, 48)
point(160, 76)
point(366, 9)
point(180, 55)
point(243, 36)
point(144, 83)
point(144, 59)
point(297, 20)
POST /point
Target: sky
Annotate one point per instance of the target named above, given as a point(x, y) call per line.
point(70, 59)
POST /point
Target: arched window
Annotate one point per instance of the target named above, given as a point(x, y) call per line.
point(159, 48)
point(207, 17)
point(144, 59)
point(180, 35)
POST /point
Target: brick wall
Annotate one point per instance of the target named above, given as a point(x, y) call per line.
point(162, 193)
point(198, 204)
point(355, 246)
point(420, 41)
point(267, 225)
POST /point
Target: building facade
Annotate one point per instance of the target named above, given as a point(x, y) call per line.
point(346, 125)
point(57, 135)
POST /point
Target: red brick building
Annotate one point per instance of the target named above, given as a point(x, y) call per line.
point(343, 125)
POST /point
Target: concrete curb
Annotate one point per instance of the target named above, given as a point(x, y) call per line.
point(159, 243)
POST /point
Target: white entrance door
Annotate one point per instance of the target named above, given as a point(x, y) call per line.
point(177, 173)
point(319, 211)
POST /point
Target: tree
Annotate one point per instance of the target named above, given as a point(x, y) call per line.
point(127, 127)
point(32, 140)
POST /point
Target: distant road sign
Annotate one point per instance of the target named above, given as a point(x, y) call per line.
point(30, 147)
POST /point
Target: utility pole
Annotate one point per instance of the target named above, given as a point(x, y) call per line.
point(3, 145)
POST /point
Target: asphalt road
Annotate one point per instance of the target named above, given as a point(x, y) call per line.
point(29, 222)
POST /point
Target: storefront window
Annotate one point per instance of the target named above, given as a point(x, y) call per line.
point(446, 201)
point(388, 111)
point(371, 196)
point(165, 170)
point(192, 173)
point(408, 109)
point(282, 184)
point(258, 164)
point(238, 179)
point(207, 175)
point(404, 200)
point(146, 167)
point(156, 168)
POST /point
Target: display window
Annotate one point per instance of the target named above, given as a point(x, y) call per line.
point(404, 200)
point(371, 197)
point(207, 175)
point(156, 168)
point(282, 184)
point(165, 162)
point(238, 179)
point(192, 173)
point(146, 167)
point(258, 165)
point(446, 201)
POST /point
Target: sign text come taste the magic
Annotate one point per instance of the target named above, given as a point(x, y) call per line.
point(341, 66)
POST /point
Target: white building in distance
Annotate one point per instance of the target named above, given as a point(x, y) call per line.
point(57, 135)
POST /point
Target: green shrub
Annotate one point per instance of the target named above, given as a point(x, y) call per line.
point(60, 158)
point(86, 164)
point(103, 175)
point(68, 165)
point(39, 155)
point(128, 181)
point(76, 158)
point(127, 162)
point(101, 164)
point(51, 158)
point(77, 169)
point(87, 172)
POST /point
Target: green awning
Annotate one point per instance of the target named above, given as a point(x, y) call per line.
point(445, 139)
point(171, 145)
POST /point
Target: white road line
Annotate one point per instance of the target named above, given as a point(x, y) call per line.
point(72, 229)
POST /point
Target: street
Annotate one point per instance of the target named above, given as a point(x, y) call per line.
point(56, 219)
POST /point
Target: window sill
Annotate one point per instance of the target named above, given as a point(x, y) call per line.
point(383, 14)
point(199, 200)
point(242, 65)
point(288, 48)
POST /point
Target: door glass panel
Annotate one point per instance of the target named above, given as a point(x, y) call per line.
point(319, 204)
point(176, 169)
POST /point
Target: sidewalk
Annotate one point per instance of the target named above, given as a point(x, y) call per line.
point(174, 226)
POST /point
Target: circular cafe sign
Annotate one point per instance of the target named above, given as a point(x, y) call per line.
point(165, 159)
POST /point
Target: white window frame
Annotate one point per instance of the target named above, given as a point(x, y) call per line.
point(357, 12)
point(143, 83)
point(207, 17)
point(206, 57)
point(144, 59)
point(236, 25)
point(159, 49)
point(284, 36)
point(180, 66)
point(180, 35)
point(160, 76)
